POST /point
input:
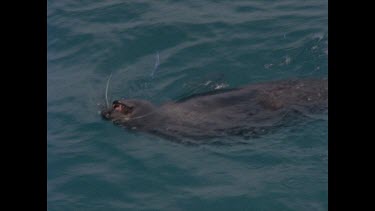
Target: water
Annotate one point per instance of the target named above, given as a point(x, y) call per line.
point(202, 46)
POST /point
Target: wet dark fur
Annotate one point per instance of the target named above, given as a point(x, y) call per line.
point(242, 111)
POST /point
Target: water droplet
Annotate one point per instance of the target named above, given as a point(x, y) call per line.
point(267, 66)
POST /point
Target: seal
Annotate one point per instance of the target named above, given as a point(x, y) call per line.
point(239, 111)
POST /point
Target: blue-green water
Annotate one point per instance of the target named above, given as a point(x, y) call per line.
point(202, 45)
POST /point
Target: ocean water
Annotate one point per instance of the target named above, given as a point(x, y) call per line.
point(161, 51)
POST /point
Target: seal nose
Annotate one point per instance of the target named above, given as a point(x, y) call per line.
point(106, 114)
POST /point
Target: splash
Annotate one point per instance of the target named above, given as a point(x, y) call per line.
point(157, 63)
point(106, 90)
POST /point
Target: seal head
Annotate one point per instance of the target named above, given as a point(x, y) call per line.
point(128, 112)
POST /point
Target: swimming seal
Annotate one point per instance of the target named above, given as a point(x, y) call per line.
point(220, 113)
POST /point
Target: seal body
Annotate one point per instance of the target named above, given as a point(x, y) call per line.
point(239, 111)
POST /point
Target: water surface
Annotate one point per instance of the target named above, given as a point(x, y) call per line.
point(202, 46)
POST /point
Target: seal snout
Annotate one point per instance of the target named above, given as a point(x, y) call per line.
point(118, 109)
point(106, 113)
